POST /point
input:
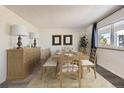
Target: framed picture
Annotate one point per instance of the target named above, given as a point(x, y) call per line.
point(67, 39)
point(56, 39)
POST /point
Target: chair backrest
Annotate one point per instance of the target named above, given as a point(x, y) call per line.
point(93, 56)
point(69, 62)
point(69, 65)
point(83, 56)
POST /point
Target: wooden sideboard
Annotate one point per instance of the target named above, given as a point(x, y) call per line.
point(21, 62)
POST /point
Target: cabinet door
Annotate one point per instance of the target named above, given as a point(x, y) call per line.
point(15, 64)
point(27, 61)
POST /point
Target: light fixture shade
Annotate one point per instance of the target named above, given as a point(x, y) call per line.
point(19, 30)
point(34, 35)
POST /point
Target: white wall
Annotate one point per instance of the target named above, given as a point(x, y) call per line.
point(8, 18)
point(111, 60)
point(46, 37)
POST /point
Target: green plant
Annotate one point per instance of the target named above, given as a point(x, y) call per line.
point(103, 40)
point(83, 43)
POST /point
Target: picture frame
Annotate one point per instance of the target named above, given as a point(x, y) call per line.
point(56, 39)
point(67, 40)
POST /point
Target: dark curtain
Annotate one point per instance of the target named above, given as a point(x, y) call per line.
point(93, 39)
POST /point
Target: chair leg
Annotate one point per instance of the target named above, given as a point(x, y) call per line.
point(56, 70)
point(88, 69)
point(94, 68)
point(44, 75)
point(79, 79)
point(82, 71)
point(60, 81)
point(45, 71)
point(57, 66)
point(42, 72)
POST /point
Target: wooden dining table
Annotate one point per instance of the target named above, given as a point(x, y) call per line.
point(56, 56)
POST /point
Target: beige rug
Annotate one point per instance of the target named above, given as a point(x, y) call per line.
point(88, 81)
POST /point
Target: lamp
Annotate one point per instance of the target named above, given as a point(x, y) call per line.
point(19, 30)
point(34, 35)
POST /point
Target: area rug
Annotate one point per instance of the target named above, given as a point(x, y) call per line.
point(50, 81)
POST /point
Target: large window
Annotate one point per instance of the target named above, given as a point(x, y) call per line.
point(119, 34)
point(104, 36)
point(111, 35)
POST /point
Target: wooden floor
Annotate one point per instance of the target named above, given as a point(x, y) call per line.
point(112, 78)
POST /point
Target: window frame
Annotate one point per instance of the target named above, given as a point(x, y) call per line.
point(111, 37)
point(98, 36)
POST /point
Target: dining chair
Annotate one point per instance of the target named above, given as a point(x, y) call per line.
point(69, 65)
point(91, 63)
point(50, 63)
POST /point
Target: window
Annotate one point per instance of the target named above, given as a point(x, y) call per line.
point(104, 36)
point(111, 35)
point(119, 34)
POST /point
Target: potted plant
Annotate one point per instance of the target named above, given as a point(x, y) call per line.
point(83, 43)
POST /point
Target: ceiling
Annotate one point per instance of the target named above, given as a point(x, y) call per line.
point(67, 16)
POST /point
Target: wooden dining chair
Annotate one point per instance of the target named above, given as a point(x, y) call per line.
point(50, 63)
point(91, 63)
point(69, 65)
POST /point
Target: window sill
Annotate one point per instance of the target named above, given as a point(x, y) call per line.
point(112, 48)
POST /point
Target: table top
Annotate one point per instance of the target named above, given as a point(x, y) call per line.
point(70, 54)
